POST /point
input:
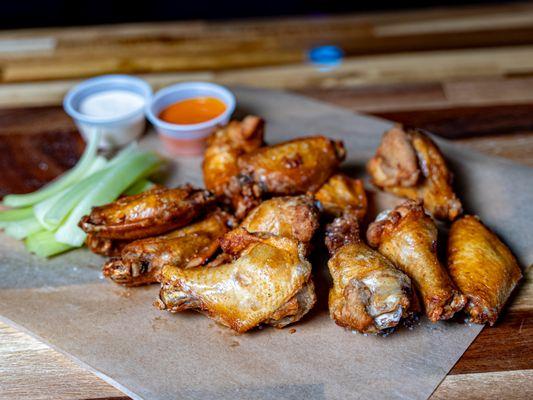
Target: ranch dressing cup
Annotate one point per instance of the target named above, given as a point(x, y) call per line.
point(111, 104)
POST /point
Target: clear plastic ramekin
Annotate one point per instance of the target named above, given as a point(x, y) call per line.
point(188, 139)
point(115, 131)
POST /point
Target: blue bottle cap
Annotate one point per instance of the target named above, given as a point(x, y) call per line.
point(326, 56)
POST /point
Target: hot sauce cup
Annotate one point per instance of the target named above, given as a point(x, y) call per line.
point(188, 139)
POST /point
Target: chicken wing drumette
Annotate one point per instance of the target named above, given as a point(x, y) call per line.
point(369, 294)
point(483, 268)
point(141, 261)
point(340, 193)
point(225, 146)
point(408, 237)
point(147, 214)
point(267, 282)
point(409, 164)
point(289, 168)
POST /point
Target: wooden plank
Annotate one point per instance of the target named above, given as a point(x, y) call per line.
point(409, 80)
point(509, 385)
point(464, 122)
point(30, 369)
point(404, 68)
point(192, 46)
point(402, 96)
point(504, 347)
point(30, 161)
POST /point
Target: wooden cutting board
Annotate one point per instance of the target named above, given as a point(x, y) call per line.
point(131, 367)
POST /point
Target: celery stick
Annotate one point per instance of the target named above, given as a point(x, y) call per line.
point(61, 208)
point(21, 229)
point(65, 180)
point(8, 216)
point(115, 181)
point(42, 209)
point(57, 213)
point(44, 244)
point(140, 186)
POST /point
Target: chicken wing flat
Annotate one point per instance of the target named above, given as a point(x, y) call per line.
point(289, 216)
point(408, 237)
point(268, 282)
point(340, 193)
point(483, 268)
point(225, 146)
point(105, 247)
point(141, 261)
point(409, 164)
point(289, 168)
point(147, 214)
point(369, 293)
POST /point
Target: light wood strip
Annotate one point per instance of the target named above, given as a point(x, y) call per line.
point(508, 385)
point(30, 369)
point(408, 68)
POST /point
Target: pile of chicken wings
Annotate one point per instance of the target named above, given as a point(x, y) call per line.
point(239, 250)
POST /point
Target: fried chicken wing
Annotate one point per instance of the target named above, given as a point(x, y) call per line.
point(268, 282)
point(483, 268)
point(289, 168)
point(409, 164)
point(289, 216)
point(369, 294)
point(141, 261)
point(225, 146)
point(408, 237)
point(105, 247)
point(341, 192)
point(147, 214)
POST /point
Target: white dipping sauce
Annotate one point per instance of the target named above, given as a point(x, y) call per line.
point(111, 104)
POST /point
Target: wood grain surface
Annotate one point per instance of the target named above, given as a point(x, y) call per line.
point(465, 74)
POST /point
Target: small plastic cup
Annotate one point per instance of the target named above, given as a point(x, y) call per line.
point(118, 130)
point(188, 139)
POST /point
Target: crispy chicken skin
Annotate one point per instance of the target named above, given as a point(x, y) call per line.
point(289, 168)
point(483, 268)
point(105, 247)
point(268, 282)
point(141, 261)
point(409, 164)
point(341, 192)
point(289, 216)
point(294, 167)
point(408, 237)
point(225, 146)
point(369, 294)
point(147, 214)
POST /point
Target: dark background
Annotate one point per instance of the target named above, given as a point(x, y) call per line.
point(41, 13)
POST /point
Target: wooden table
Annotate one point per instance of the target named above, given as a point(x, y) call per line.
point(466, 74)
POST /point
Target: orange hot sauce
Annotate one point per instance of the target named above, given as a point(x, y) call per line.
point(193, 111)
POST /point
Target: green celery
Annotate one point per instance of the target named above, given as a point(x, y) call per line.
point(58, 211)
point(65, 180)
point(115, 181)
point(9, 216)
point(57, 201)
point(44, 244)
point(23, 228)
point(142, 185)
